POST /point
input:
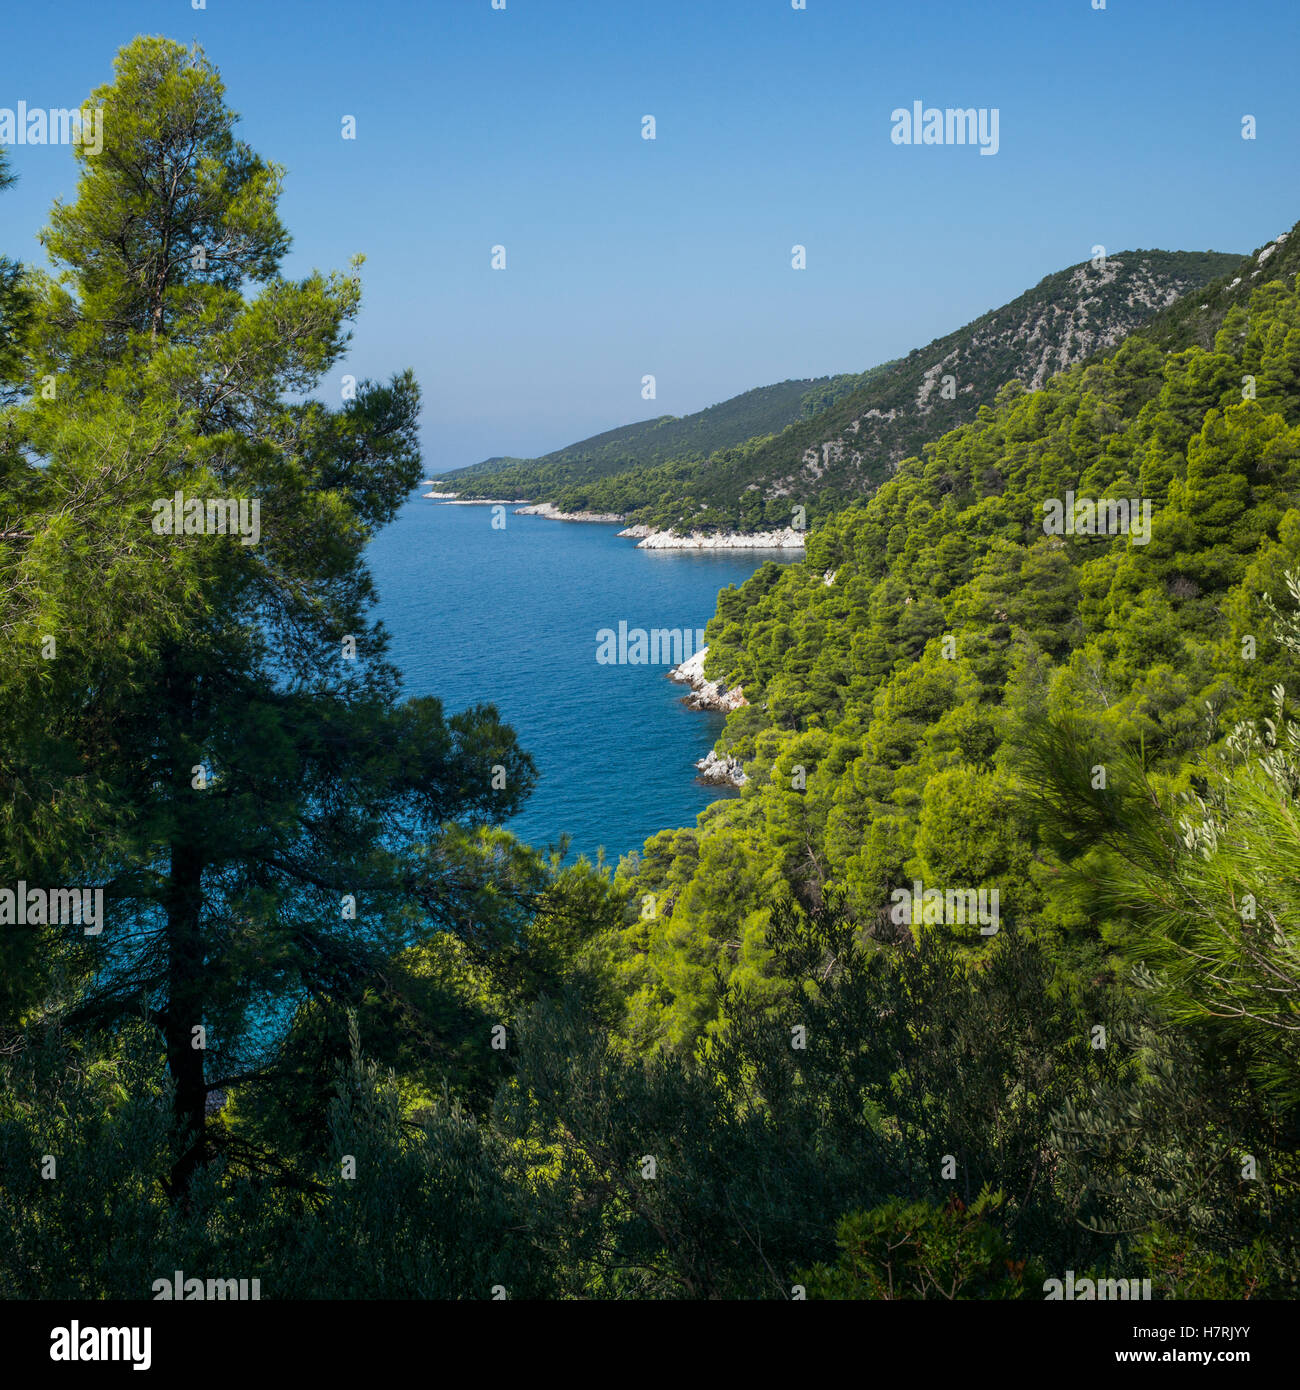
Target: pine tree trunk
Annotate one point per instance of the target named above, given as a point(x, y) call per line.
point(184, 1010)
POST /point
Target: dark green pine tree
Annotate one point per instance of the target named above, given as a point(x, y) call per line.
point(214, 734)
point(21, 962)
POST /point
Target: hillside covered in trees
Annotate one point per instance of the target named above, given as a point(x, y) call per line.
point(684, 439)
point(342, 1033)
point(851, 432)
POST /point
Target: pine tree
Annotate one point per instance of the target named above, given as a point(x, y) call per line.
point(219, 741)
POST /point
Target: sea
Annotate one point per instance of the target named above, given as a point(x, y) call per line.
point(509, 616)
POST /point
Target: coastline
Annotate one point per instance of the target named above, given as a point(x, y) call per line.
point(711, 695)
point(649, 539)
point(713, 769)
point(646, 537)
point(452, 500)
point(552, 513)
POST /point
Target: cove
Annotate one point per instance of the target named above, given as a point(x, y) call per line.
point(509, 617)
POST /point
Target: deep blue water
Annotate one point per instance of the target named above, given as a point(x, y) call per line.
point(510, 617)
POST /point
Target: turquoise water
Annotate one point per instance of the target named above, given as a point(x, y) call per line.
point(511, 616)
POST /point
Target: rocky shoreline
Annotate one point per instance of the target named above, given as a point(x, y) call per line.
point(704, 694)
point(646, 537)
point(711, 695)
point(649, 539)
point(454, 501)
point(552, 513)
point(721, 772)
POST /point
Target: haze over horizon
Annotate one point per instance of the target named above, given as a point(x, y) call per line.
point(672, 257)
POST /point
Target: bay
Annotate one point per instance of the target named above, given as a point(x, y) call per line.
point(510, 616)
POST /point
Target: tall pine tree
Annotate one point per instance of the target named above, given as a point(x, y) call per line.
point(205, 724)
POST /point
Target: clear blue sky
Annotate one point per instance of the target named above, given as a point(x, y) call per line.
point(672, 257)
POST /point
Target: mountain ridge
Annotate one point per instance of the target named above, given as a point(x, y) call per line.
point(664, 438)
point(852, 430)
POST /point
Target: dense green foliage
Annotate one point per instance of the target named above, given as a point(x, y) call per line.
point(729, 1069)
point(943, 692)
point(207, 729)
point(874, 758)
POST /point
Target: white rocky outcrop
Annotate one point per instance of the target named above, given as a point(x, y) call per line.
point(723, 772)
point(485, 501)
point(787, 539)
point(552, 513)
point(1266, 253)
point(706, 694)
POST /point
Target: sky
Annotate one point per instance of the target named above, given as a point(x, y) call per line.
point(625, 257)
